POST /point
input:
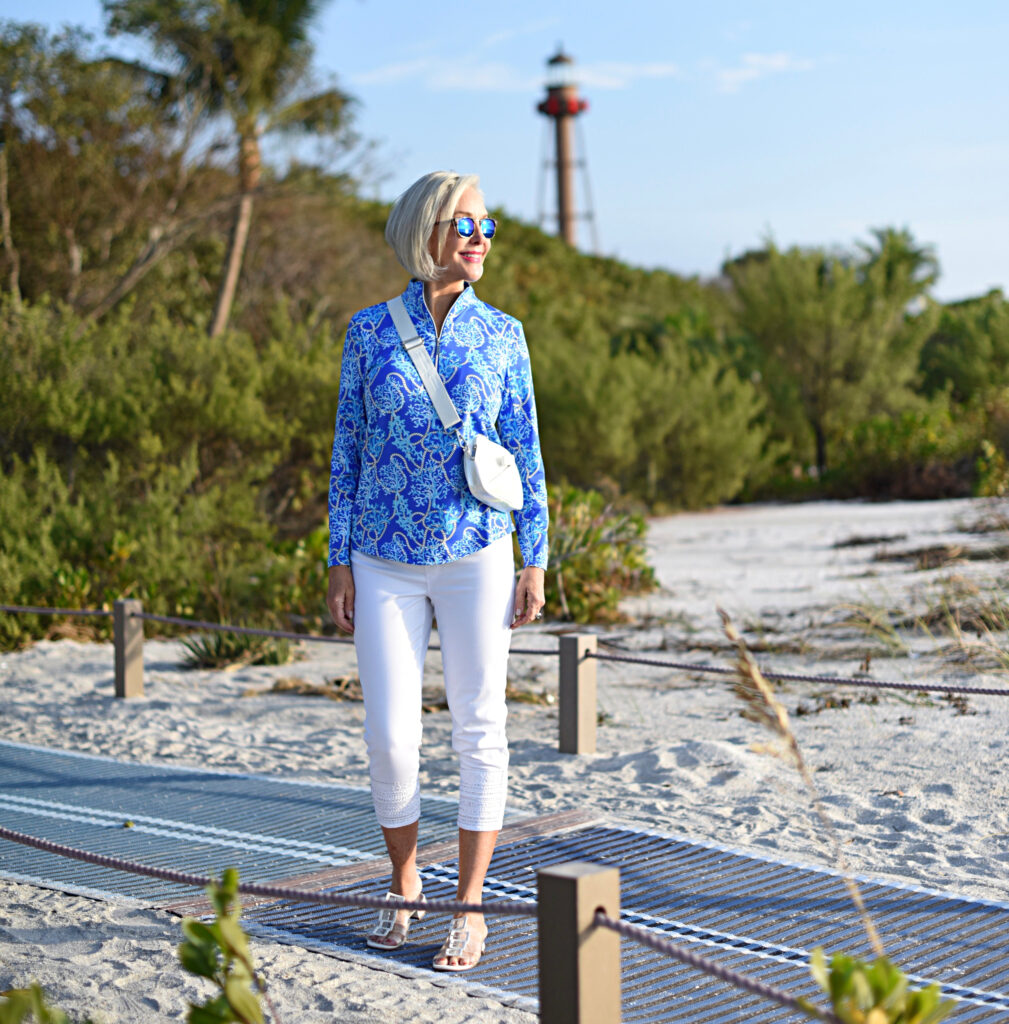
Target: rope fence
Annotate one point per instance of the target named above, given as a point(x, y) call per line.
point(595, 966)
point(797, 677)
point(263, 890)
point(32, 610)
point(218, 627)
point(578, 656)
point(274, 634)
point(709, 967)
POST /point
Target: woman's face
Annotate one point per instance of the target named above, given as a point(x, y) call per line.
point(462, 258)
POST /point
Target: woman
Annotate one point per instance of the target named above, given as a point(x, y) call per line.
point(408, 539)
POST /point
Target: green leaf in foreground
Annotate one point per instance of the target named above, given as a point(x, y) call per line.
point(220, 952)
point(22, 1004)
point(242, 1002)
point(199, 960)
point(213, 1012)
point(877, 993)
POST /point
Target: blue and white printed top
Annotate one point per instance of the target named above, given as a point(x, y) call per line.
point(398, 487)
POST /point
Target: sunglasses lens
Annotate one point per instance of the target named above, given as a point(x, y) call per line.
point(465, 226)
point(488, 226)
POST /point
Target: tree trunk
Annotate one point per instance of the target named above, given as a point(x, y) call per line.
point(13, 257)
point(76, 265)
point(146, 261)
point(249, 167)
point(164, 238)
point(821, 449)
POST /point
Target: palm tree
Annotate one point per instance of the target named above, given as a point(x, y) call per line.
point(904, 266)
point(250, 59)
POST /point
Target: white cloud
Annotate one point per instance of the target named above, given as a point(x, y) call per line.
point(481, 76)
point(754, 66)
point(507, 34)
point(619, 75)
point(472, 75)
point(390, 73)
point(439, 75)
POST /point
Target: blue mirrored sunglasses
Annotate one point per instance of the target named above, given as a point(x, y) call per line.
point(466, 226)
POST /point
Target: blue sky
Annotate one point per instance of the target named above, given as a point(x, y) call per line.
point(710, 126)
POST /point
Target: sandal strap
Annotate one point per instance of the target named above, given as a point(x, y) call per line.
point(457, 941)
point(386, 923)
point(387, 919)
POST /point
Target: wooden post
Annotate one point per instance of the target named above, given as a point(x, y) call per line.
point(579, 962)
point(128, 635)
point(577, 694)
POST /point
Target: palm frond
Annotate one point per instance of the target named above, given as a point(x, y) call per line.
point(319, 114)
point(290, 18)
point(158, 84)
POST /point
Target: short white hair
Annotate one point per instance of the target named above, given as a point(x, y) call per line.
point(415, 214)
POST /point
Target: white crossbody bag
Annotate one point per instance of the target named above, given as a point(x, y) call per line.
point(491, 473)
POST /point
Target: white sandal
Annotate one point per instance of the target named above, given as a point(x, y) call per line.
point(388, 924)
point(456, 945)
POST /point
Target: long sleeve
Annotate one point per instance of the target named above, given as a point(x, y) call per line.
point(348, 443)
point(519, 433)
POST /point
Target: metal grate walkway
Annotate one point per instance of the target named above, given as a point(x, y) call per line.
point(757, 915)
point(184, 818)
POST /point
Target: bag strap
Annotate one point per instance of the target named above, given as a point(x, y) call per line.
point(414, 345)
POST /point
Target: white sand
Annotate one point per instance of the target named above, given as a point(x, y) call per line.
point(916, 788)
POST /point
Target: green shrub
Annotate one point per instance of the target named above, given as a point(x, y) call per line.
point(597, 556)
point(139, 460)
point(968, 353)
point(294, 580)
point(919, 454)
point(652, 407)
point(936, 451)
point(221, 650)
point(991, 472)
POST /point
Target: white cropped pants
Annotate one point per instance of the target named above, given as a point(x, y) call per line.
point(473, 599)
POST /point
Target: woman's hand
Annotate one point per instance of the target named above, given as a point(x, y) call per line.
point(529, 597)
point(340, 597)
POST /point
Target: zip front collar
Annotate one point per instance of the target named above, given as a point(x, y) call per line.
point(416, 305)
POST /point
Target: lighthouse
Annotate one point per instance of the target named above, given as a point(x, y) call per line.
point(562, 105)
